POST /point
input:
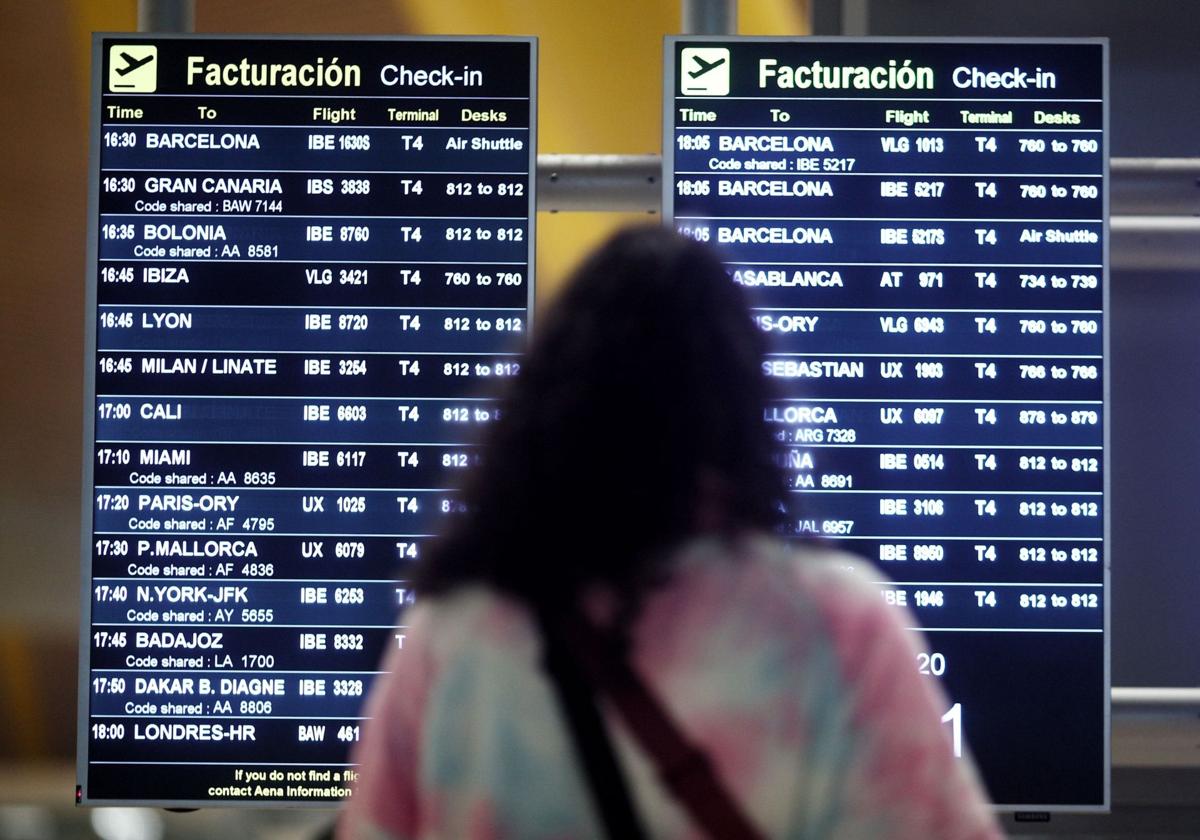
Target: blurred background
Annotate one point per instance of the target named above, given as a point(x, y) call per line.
point(600, 92)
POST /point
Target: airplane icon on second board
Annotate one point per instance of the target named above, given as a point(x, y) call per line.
point(704, 71)
point(132, 63)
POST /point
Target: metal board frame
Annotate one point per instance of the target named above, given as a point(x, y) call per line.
point(670, 43)
point(89, 375)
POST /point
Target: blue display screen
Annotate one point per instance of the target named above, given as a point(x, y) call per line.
point(308, 260)
point(921, 227)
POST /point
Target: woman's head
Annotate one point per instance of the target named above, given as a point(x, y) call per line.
point(635, 422)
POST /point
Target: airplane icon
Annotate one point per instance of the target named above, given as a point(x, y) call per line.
point(132, 68)
point(132, 63)
point(704, 66)
point(705, 71)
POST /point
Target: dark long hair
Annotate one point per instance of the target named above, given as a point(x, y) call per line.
point(640, 400)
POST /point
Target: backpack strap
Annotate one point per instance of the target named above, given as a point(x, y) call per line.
point(684, 770)
point(610, 792)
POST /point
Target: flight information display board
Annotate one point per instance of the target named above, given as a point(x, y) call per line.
point(308, 259)
point(922, 228)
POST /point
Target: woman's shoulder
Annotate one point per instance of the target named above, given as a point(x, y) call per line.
point(835, 576)
point(803, 570)
point(759, 587)
point(756, 579)
point(471, 617)
point(844, 589)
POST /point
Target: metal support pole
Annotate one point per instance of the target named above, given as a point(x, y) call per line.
point(616, 183)
point(1146, 699)
point(1155, 243)
point(710, 17)
point(856, 18)
point(1152, 199)
point(1140, 186)
point(166, 15)
point(1155, 186)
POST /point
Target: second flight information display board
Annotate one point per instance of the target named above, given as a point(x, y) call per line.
point(308, 259)
point(922, 228)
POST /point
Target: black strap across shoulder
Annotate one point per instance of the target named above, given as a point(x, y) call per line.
point(585, 664)
point(610, 792)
